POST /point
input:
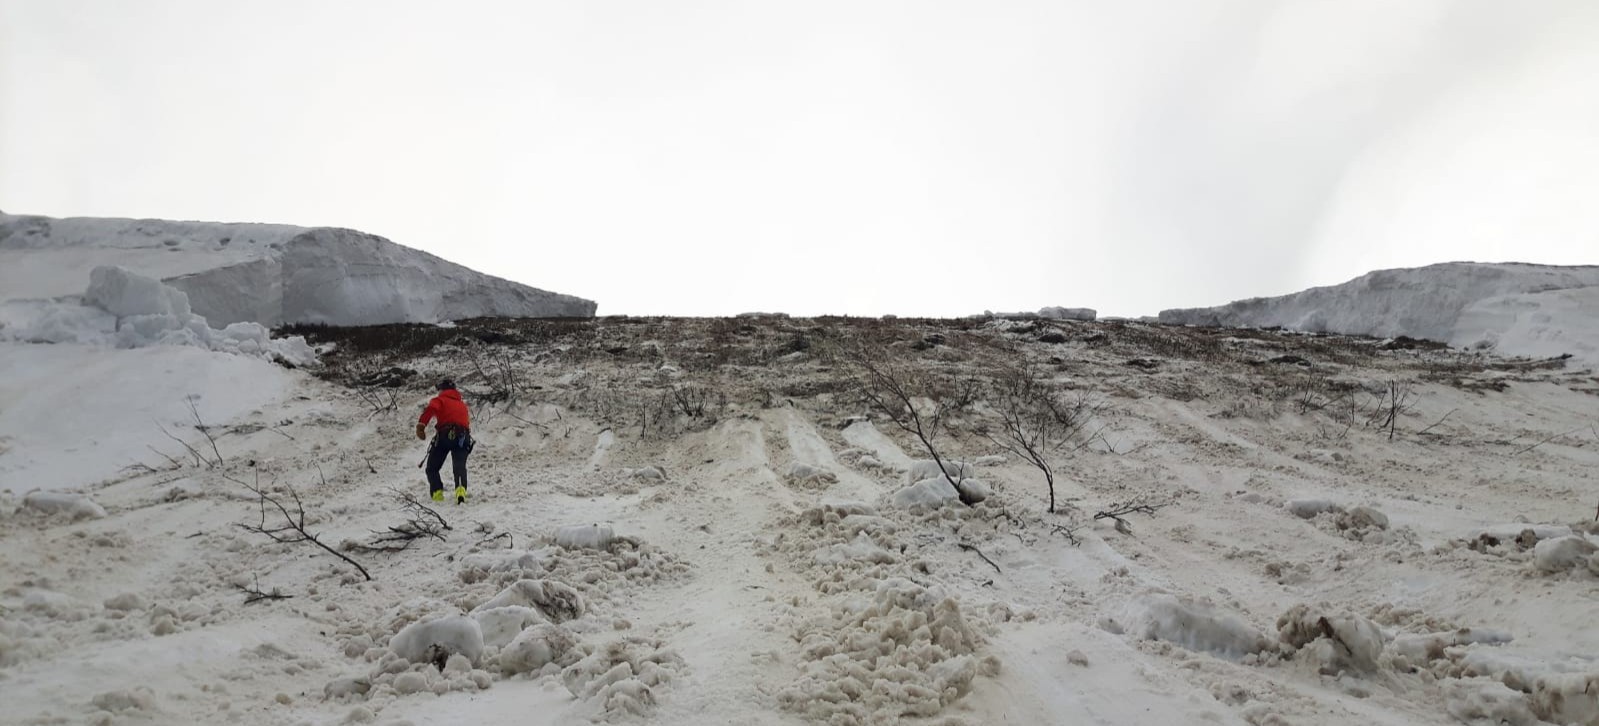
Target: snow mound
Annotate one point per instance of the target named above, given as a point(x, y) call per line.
point(1335, 642)
point(621, 677)
point(1518, 309)
point(1189, 623)
point(585, 536)
point(434, 641)
point(535, 648)
point(934, 492)
point(267, 274)
point(502, 625)
point(1484, 702)
point(128, 310)
point(1566, 553)
point(905, 651)
point(556, 601)
point(72, 506)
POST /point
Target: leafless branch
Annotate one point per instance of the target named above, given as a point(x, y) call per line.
point(1436, 423)
point(892, 391)
point(254, 593)
point(199, 459)
point(200, 426)
point(1037, 421)
point(292, 530)
point(1120, 510)
point(175, 463)
point(1542, 441)
point(424, 522)
point(973, 548)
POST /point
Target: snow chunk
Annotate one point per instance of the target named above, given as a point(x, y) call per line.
point(860, 549)
point(933, 492)
point(1192, 624)
point(535, 648)
point(73, 506)
point(1310, 508)
point(129, 310)
point(806, 475)
point(1484, 702)
point(621, 675)
point(433, 641)
point(927, 468)
point(1335, 642)
point(1060, 313)
point(554, 600)
point(503, 624)
point(1563, 553)
point(973, 491)
point(585, 536)
point(124, 294)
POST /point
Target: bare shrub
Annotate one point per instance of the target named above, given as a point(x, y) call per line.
point(910, 397)
point(1037, 419)
point(292, 530)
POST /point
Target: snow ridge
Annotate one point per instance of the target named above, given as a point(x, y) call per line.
point(1515, 308)
point(266, 273)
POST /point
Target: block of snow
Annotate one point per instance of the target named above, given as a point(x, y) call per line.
point(1309, 508)
point(554, 600)
point(934, 492)
point(436, 640)
point(123, 294)
point(501, 625)
point(806, 474)
point(74, 506)
point(1191, 624)
point(1334, 641)
point(535, 648)
point(861, 549)
point(927, 468)
point(1060, 313)
point(1563, 553)
point(585, 537)
point(1487, 702)
point(973, 491)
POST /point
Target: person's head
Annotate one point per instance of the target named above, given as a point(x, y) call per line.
point(446, 385)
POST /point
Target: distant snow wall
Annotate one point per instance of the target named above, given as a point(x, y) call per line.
point(345, 277)
point(1503, 306)
point(269, 274)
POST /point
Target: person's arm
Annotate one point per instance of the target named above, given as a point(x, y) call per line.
point(428, 414)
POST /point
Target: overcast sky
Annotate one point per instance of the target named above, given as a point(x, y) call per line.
point(860, 157)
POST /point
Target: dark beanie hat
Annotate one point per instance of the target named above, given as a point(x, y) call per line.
point(446, 385)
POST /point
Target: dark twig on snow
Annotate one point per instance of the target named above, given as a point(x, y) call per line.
point(200, 426)
point(254, 593)
point(1541, 442)
point(199, 458)
point(973, 548)
point(1070, 533)
point(425, 522)
point(1120, 510)
point(1439, 421)
point(292, 530)
point(510, 542)
point(175, 463)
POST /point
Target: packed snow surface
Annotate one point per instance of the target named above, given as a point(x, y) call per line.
point(1516, 309)
point(266, 274)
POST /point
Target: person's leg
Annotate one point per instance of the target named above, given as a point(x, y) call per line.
point(435, 463)
point(458, 462)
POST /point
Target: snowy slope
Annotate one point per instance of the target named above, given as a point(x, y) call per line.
point(1521, 309)
point(739, 591)
point(270, 274)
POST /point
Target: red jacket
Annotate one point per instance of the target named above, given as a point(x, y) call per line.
point(448, 408)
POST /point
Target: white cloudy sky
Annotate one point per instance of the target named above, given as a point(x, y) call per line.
point(862, 157)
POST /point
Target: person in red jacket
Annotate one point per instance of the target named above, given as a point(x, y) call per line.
point(452, 437)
